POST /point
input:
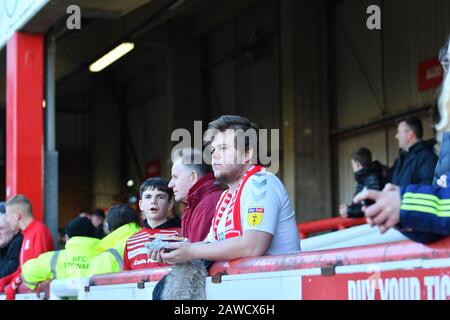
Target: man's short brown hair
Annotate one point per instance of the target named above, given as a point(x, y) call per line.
point(23, 201)
point(240, 125)
point(414, 124)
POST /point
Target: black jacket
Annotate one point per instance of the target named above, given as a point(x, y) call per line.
point(99, 232)
point(443, 164)
point(9, 256)
point(415, 166)
point(172, 223)
point(370, 177)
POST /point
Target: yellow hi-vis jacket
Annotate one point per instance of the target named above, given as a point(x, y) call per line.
point(72, 262)
point(112, 247)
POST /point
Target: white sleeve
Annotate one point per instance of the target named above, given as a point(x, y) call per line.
point(260, 204)
point(210, 236)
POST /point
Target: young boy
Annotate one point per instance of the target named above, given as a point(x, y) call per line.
point(368, 174)
point(156, 200)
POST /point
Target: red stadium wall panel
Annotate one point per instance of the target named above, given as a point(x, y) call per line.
point(24, 118)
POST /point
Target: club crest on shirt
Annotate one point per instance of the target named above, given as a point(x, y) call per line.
point(255, 215)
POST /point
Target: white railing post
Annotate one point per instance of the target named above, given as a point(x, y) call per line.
point(67, 288)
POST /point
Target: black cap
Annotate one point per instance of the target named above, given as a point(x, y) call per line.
point(2, 208)
point(80, 227)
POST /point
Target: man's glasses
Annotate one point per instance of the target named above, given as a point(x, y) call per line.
point(445, 64)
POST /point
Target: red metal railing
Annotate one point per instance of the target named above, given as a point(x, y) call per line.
point(398, 251)
point(307, 228)
point(42, 290)
point(395, 251)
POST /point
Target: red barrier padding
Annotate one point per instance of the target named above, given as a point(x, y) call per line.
point(396, 251)
point(42, 290)
point(307, 228)
point(135, 276)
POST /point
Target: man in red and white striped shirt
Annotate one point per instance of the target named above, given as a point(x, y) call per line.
point(155, 203)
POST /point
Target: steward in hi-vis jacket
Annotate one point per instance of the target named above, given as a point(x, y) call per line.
point(72, 262)
point(123, 222)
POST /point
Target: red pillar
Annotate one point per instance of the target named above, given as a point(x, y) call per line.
point(24, 119)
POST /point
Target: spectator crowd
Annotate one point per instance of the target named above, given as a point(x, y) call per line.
point(234, 208)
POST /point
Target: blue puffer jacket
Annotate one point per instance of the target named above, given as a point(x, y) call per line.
point(443, 164)
point(424, 213)
point(415, 166)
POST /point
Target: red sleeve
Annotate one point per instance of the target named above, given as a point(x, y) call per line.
point(126, 261)
point(6, 280)
point(204, 214)
point(40, 242)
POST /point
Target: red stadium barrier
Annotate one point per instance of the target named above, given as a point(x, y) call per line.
point(308, 228)
point(42, 290)
point(135, 276)
point(397, 251)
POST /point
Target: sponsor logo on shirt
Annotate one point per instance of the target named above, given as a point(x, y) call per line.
point(254, 216)
point(27, 245)
point(143, 261)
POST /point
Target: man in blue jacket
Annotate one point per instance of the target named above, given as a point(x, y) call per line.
point(417, 159)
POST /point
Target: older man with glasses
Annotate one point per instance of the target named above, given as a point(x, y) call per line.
point(10, 244)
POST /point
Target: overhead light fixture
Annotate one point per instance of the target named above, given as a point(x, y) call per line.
point(111, 56)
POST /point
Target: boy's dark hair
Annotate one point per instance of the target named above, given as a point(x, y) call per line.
point(99, 213)
point(120, 215)
point(239, 123)
point(158, 184)
point(415, 124)
point(363, 156)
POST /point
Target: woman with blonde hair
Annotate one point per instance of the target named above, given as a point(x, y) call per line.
point(443, 126)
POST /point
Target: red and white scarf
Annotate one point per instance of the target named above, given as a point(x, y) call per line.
point(229, 207)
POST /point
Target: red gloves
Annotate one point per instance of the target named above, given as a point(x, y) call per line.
point(3, 284)
point(10, 290)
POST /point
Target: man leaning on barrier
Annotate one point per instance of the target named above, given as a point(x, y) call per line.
point(254, 217)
